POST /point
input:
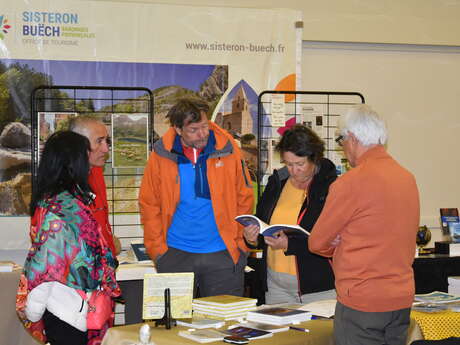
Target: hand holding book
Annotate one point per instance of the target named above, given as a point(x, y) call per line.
point(271, 230)
point(279, 241)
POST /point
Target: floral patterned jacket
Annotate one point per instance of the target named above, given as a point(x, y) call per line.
point(67, 247)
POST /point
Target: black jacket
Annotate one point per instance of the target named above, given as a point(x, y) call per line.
point(315, 272)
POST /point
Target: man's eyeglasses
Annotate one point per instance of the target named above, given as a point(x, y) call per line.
point(339, 140)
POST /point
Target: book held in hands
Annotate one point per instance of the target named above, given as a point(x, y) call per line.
point(271, 230)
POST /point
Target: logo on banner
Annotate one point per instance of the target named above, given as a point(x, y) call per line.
point(54, 28)
point(4, 26)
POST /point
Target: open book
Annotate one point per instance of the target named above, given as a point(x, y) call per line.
point(271, 230)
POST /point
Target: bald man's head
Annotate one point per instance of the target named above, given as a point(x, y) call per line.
point(97, 134)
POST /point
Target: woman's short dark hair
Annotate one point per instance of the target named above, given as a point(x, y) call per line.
point(64, 166)
point(303, 142)
point(186, 110)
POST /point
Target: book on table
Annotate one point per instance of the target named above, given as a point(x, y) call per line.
point(140, 253)
point(262, 326)
point(200, 323)
point(225, 301)
point(448, 216)
point(437, 297)
point(429, 307)
point(279, 316)
point(248, 332)
point(271, 230)
point(223, 315)
point(203, 335)
point(323, 308)
point(224, 307)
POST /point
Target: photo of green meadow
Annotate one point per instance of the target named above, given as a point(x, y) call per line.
point(129, 140)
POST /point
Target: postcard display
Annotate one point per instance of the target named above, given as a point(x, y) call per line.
point(279, 110)
point(127, 113)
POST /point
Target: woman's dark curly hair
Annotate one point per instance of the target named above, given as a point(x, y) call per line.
point(303, 142)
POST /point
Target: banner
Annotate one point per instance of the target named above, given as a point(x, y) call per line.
point(223, 56)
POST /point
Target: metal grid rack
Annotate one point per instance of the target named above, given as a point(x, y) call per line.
point(123, 184)
point(320, 110)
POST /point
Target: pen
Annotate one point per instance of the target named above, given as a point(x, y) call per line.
point(299, 329)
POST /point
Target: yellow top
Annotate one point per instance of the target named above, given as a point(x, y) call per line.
point(286, 212)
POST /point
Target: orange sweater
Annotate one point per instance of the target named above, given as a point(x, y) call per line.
point(375, 210)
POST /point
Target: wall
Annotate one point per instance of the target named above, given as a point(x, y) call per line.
point(414, 87)
point(416, 90)
point(379, 21)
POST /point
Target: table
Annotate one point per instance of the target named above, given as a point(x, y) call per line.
point(431, 272)
point(320, 334)
point(436, 326)
point(12, 332)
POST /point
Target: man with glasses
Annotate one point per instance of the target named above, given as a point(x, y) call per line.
point(194, 185)
point(368, 226)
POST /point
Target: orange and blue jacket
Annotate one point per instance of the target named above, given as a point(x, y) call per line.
point(229, 184)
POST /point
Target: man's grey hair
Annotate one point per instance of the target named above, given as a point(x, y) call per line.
point(82, 124)
point(365, 124)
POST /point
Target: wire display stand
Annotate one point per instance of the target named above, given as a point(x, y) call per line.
point(53, 106)
point(320, 110)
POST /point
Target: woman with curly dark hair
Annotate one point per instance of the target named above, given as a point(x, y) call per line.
point(295, 194)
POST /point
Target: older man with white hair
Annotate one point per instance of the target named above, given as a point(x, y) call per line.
point(368, 227)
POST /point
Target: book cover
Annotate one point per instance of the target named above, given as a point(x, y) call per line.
point(448, 215)
point(140, 253)
point(248, 333)
point(271, 230)
point(279, 312)
point(180, 285)
point(454, 231)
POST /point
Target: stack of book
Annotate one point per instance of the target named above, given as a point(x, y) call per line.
point(279, 316)
point(223, 307)
point(437, 301)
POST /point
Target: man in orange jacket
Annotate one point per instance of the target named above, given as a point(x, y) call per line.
point(368, 226)
point(194, 185)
